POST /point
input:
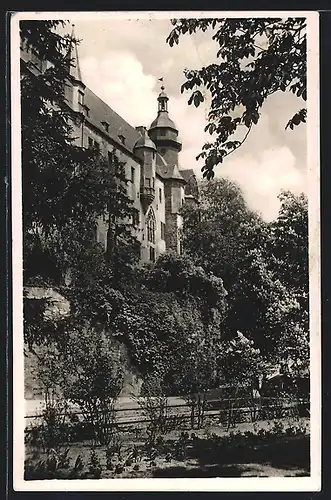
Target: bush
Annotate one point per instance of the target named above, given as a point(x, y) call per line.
point(85, 369)
point(154, 406)
point(94, 376)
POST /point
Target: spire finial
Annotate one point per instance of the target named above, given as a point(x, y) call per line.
point(163, 98)
point(74, 57)
point(162, 84)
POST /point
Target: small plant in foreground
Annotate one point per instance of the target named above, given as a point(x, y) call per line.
point(94, 465)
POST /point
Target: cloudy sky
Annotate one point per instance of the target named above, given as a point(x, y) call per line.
point(121, 61)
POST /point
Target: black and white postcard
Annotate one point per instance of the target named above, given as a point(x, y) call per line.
point(166, 260)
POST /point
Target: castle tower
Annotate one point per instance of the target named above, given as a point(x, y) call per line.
point(164, 134)
point(145, 149)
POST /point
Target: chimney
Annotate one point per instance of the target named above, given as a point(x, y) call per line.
point(141, 130)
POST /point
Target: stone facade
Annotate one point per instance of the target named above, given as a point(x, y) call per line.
point(157, 185)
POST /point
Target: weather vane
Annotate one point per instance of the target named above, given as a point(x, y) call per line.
point(161, 80)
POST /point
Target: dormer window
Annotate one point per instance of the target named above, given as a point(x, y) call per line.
point(122, 138)
point(105, 126)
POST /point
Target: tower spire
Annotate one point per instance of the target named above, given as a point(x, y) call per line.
point(163, 98)
point(75, 71)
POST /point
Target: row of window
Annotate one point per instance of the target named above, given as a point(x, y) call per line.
point(81, 97)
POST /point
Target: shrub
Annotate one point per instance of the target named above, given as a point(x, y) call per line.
point(154, 406)
point(94, 376)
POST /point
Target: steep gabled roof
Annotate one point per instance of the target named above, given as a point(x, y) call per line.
point(187, 174)
point(100, 112)
point(191, 188)
point(144, 141)
point(167, 171)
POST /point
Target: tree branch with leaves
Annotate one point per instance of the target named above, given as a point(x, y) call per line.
point(258, 57)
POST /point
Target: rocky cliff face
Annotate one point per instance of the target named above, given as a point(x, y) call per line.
point(55, 307)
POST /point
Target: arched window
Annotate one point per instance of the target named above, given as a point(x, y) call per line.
point(151, 226)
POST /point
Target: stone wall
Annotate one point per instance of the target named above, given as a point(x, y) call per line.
point(55, 308)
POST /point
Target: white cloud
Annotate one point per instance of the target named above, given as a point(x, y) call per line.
point(122, 61)
point(118, 78)
point(261, 178)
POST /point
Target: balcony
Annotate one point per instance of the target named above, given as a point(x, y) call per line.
point(147, 195)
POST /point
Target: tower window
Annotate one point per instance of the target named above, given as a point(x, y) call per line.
point(162, 231)
point(110, 158)
point(132, 174)
point(152, 254)
point(135, 218)
point(160, 195)
point(162, 132)
point(81, 97)
point(151, 225)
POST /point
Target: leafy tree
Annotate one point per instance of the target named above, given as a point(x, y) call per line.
point(173, 273)
point(289, 247)
point(163, 332)
point(221, 230)
point(289, 240)
point(258, 57)
point(261, 306)
point(66, 188)
point(240, 362)
point(263, 266)
point(87, 370)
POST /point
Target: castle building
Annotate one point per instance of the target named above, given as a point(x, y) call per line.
point(156, 184)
